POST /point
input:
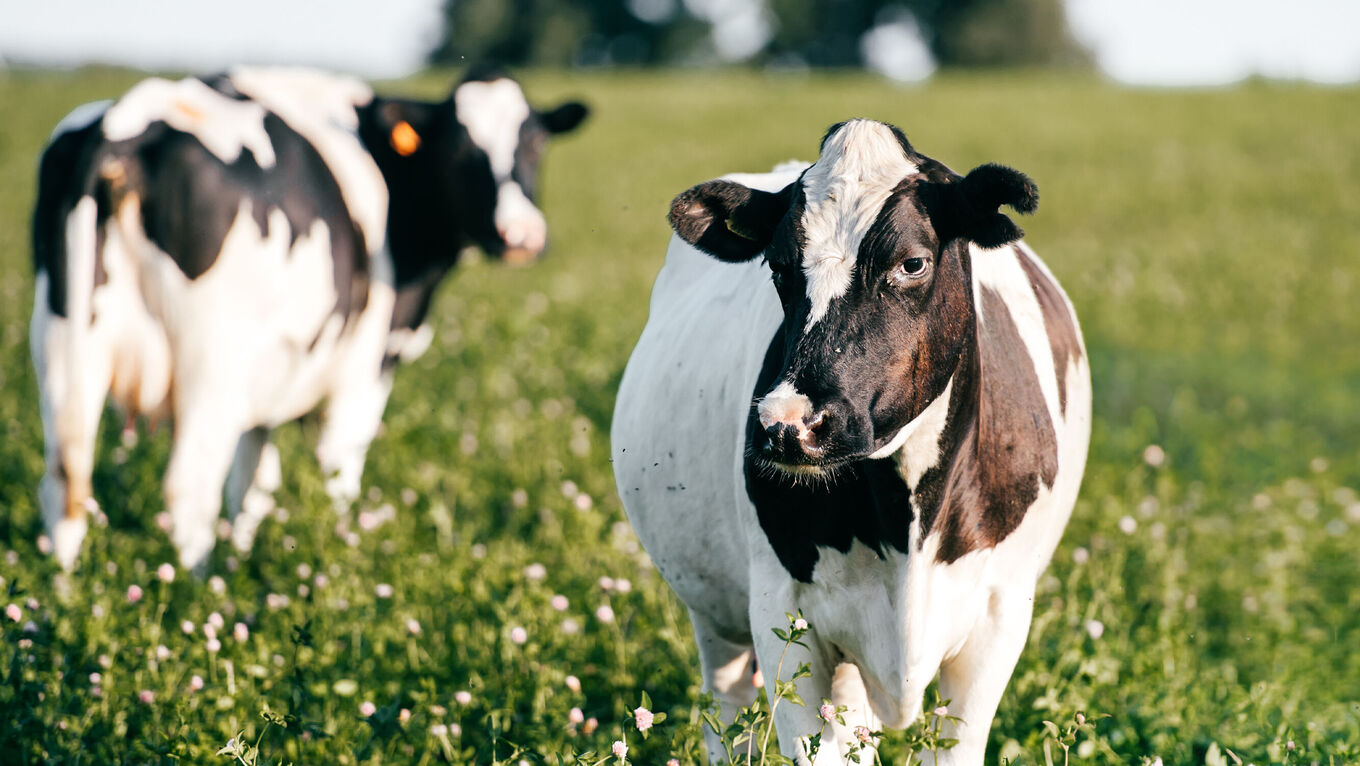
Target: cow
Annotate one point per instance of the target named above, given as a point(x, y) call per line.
point(230, 251)
point(870, 404)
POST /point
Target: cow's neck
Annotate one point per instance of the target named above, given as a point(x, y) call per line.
point(423, 237)
point(998, 447)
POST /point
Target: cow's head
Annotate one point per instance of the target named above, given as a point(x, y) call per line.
point(471, 163)
point(868, 251)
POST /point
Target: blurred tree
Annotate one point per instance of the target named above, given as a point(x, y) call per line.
point(820, 33)
point(998, 33)
point(568, 32)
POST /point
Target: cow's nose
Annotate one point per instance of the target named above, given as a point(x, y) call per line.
point(794, 430)
point(801, 438)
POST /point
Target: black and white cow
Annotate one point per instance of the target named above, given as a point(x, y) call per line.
point(230, 251)
point(920, 427)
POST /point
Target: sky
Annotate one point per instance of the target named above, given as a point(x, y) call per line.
point(1146, 42)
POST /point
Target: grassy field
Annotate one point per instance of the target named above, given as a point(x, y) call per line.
point(1204, 598)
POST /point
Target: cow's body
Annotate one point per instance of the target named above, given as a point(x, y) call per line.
point(879, 556)
point(229, 252)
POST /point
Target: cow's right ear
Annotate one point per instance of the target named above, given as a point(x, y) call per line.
point(729, 221)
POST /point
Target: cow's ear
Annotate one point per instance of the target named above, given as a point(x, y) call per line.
point(403, 124)
point(983, 191)
point(728, 220)
point(565, 118)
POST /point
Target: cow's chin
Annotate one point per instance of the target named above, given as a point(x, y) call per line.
point(518, 256)
point(512, 256)
point(811, 473)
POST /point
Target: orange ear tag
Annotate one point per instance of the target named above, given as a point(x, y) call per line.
point(405, 140)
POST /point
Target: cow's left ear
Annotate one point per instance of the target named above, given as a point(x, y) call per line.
point(566, 117)
point(983, 192)
point(729, 221)
point(404, 124)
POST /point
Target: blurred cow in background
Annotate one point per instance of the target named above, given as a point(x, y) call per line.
point(230, 251)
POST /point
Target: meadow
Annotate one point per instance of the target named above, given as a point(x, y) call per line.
point(488, 603)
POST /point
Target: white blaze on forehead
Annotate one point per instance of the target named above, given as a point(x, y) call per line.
point(844, 191)
point(223, 125)
point(492, 112)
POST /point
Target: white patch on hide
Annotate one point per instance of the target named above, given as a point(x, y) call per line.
point(223, 125)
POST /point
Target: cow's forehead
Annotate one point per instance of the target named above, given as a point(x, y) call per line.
point(862, 162)
point(493, 112)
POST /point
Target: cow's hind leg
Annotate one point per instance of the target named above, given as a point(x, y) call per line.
point(205, 439)
point(255, 475)
point(353, 416)
point(727, 675)
point(974, 679)
point(71, 401)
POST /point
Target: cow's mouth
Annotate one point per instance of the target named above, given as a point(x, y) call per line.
point(823, 471)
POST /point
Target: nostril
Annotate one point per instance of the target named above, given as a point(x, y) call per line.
point(818, 423)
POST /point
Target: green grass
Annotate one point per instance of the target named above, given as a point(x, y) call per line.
point(1208, 239)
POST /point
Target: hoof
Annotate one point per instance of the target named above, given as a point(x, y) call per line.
point(67, 537)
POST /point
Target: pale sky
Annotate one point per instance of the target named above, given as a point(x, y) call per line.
point(1152, 42)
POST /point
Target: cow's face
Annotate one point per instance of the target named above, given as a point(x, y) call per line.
point(868, 251)
point(471, 163)
point(507, 138)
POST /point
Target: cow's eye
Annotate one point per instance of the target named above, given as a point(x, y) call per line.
point(911, 270)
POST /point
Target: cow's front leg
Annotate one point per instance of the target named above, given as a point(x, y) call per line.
point(205, 437)
point(778, 659)
point(255, 475)
point(974, 679)
point(353, 416)
point(726, 667)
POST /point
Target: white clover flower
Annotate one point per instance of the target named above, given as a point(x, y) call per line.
point(1095, 629)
